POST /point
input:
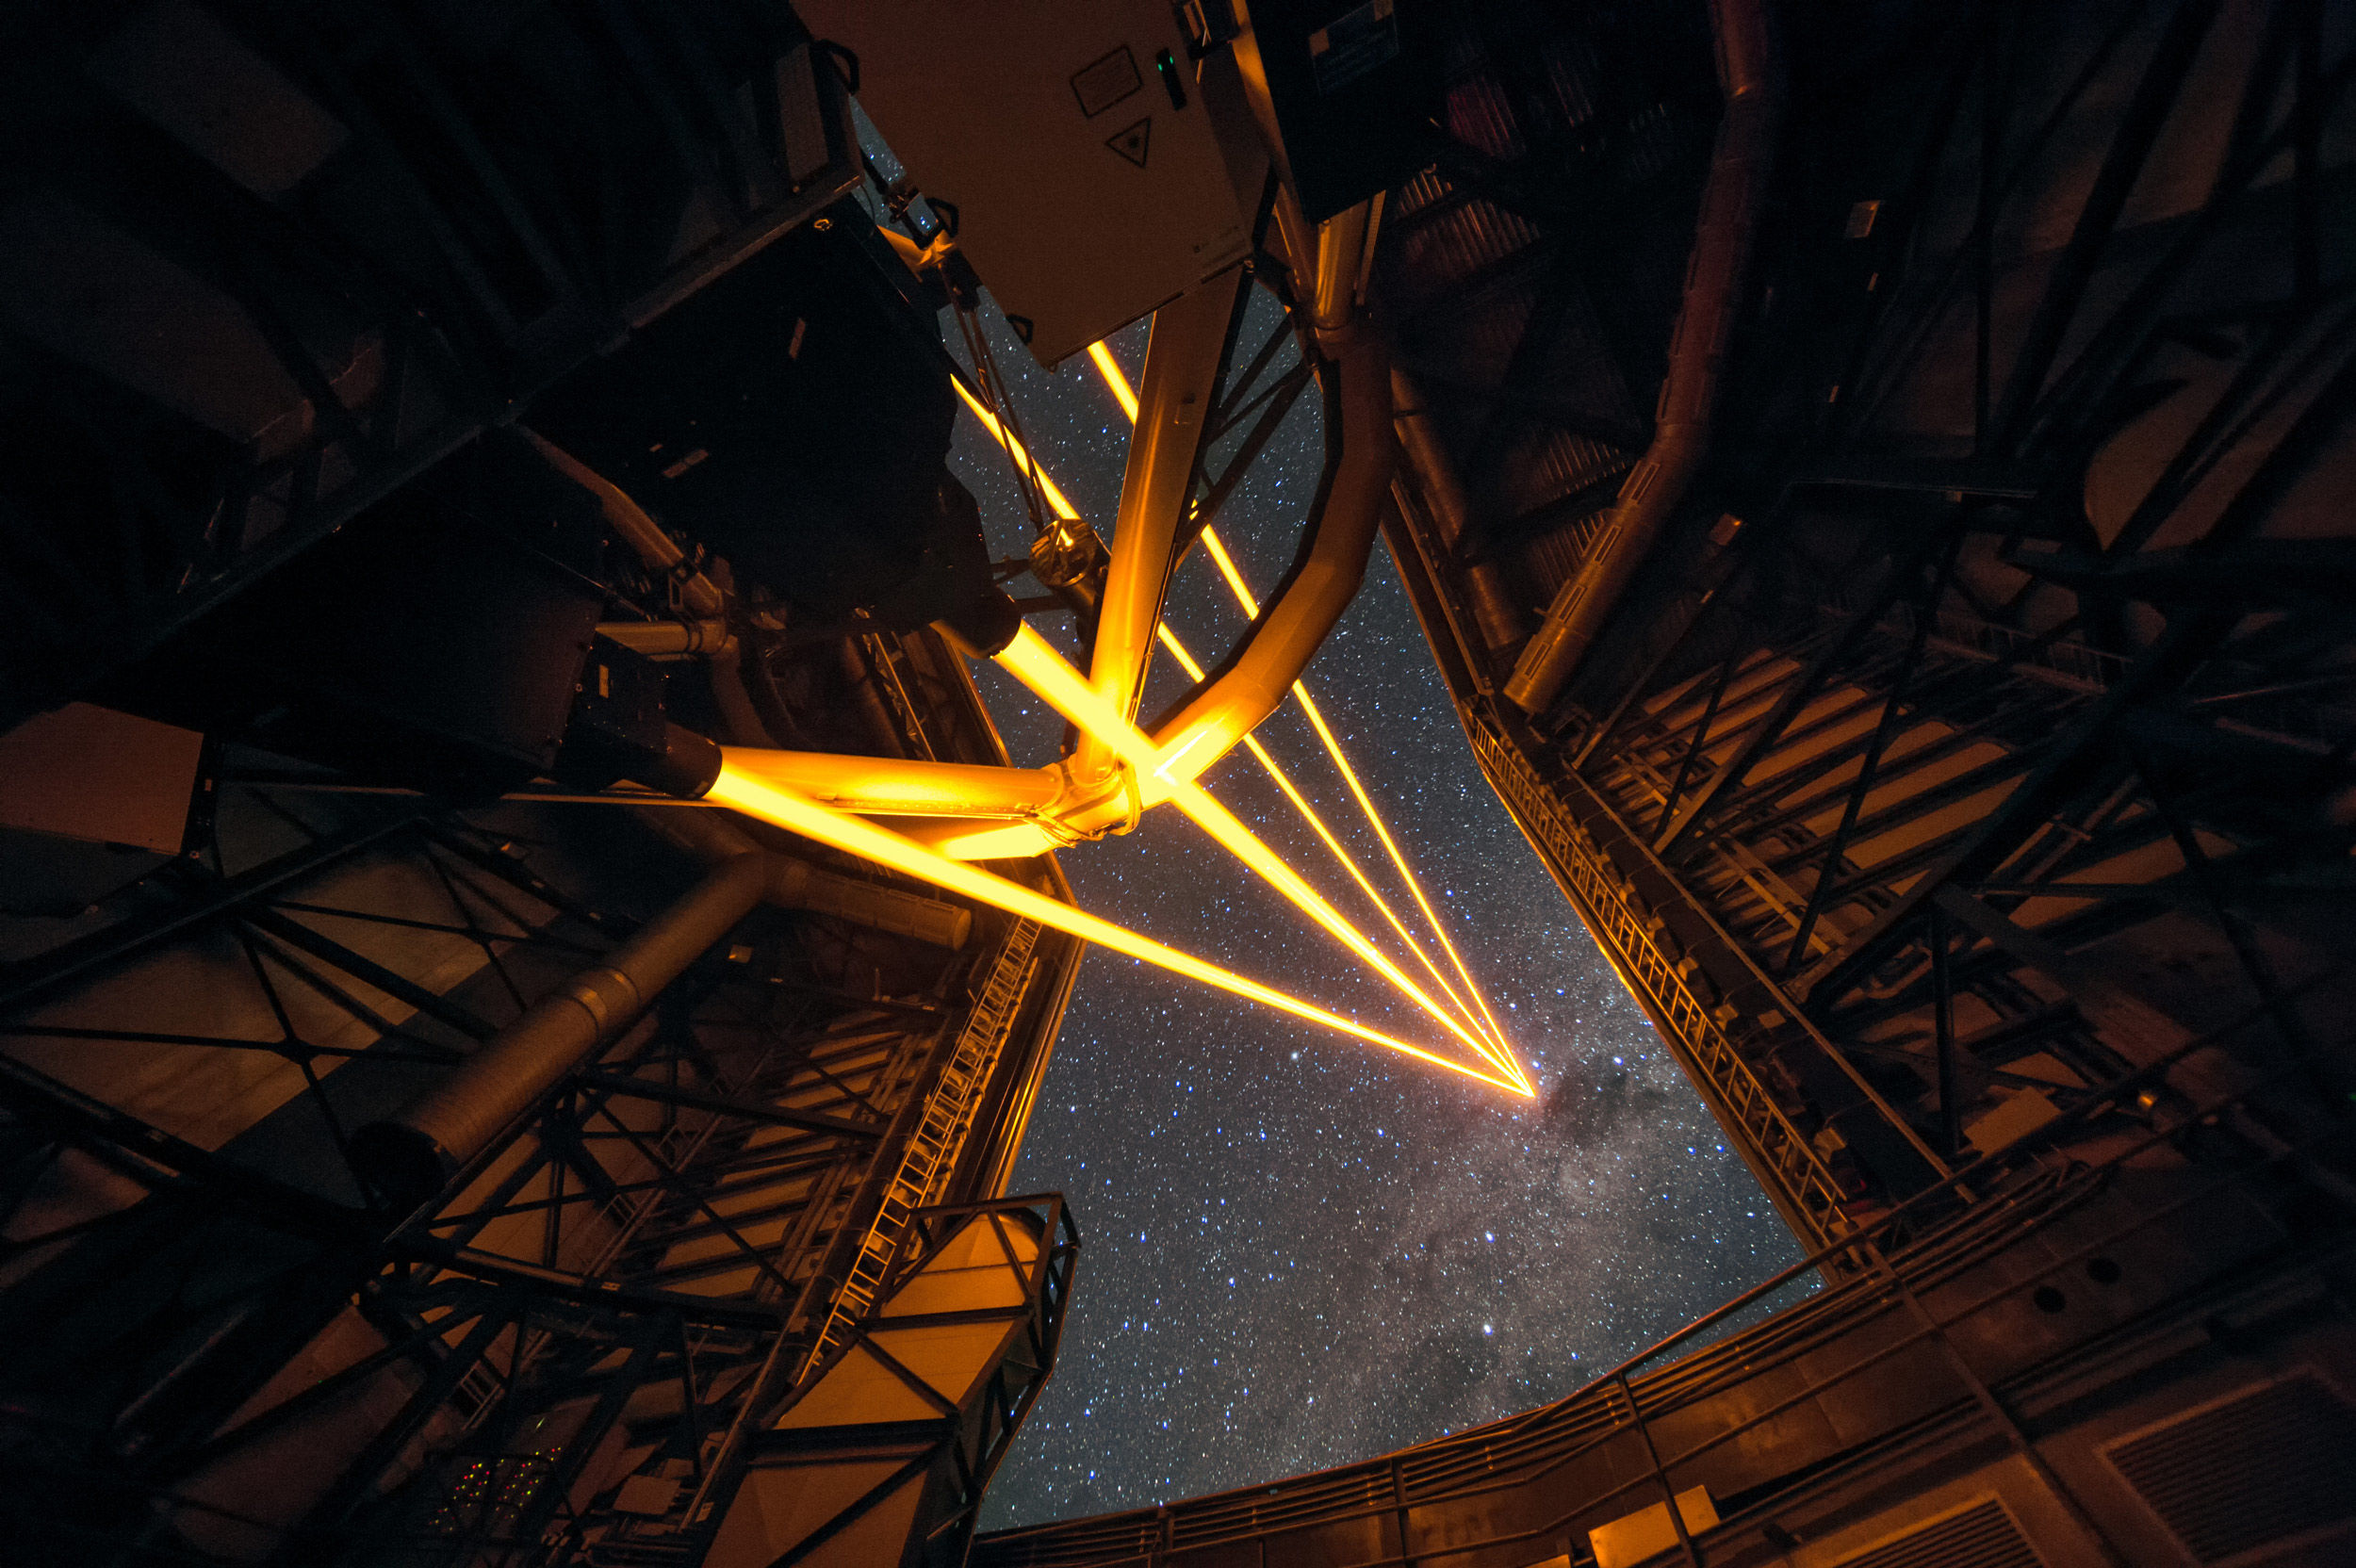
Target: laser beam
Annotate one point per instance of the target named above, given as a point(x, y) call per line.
point(1123, 738)
point(1030, 659)
point(799, 813)
point(1251, 605)
point(999, 432)
point(1348, 862)
point(1102, 355)
point(1107, 367)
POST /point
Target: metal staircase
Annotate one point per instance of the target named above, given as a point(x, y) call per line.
point(932, 1150)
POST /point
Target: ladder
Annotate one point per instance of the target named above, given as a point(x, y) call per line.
point(931, 1154)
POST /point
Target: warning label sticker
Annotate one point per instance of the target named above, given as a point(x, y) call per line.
point(1105, 81)
point(1133, 142)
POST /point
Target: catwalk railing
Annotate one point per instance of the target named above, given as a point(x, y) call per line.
point(1922, 1330)
point(939, 1137)
point(664, 1222)
point(1812, 1195)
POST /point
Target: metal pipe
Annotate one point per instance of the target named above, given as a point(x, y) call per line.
point(713, 837)
point(669, 639)
point(1495, 613)
point(1340, 262)
point(410, 1155)
point(1296, 236)
point(1326, 575)
point(629, 520)
point(900, 787)
point(1174, 400)
point(725, 670)
point(1738, 170)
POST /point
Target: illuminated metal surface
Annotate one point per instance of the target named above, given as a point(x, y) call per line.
point(1030, 659)
point(1038, 665)
point(1486, 1022)
point(799, 813)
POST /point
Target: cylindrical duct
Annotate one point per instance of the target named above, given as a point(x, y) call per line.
point(410, 1155)
point(1737, 187)
point(668, 639)
point(1494, 614)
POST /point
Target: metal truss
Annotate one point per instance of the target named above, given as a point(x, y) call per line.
point(1804, 1186)
point(1560, 189)
point(980, 1290)
point(1252, 395)
point(228, 1345)
point(384, 354)
point(1252, 399)
point(930, 1157)
point(1972, 749)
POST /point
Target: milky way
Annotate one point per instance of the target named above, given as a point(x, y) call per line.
point(1298, 1250)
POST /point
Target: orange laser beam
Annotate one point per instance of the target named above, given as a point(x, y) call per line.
point(799, 813)
point(1283, 782)
point(1238, 838)
point(1105, 367)
point(1399, 859)
point(1014, 449)
point(1030, 659)
point(1228, 569)
point(1118, 384)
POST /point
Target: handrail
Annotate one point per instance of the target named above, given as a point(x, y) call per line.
point(1812, 1194)
point(932, 1150)
point(1516, 1450)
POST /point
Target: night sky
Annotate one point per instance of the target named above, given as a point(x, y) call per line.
point(1298, 1250)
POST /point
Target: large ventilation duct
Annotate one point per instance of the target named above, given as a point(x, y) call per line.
point(1738, 171)
point(411, 1154)
point(1501, 623)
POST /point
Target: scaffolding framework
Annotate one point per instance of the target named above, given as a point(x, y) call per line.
point(228, 1343)
point(1968, 744)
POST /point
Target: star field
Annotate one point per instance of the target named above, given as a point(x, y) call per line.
point(1299, 1250)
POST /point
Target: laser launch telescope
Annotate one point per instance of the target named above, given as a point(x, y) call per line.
point(526, 961)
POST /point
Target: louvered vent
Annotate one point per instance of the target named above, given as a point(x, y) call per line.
point(1981, 1536)
point(2269, 1463)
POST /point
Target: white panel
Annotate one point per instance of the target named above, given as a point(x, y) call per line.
point(92, 773)
point(859, 1389)
point(1085, 196)
point(1634, 1537)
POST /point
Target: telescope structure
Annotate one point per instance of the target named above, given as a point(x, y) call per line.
point(524, 962)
